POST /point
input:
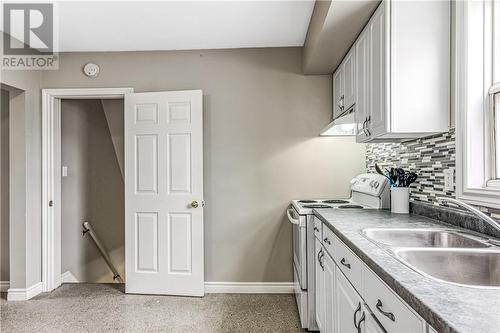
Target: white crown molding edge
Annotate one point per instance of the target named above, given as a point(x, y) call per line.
point(249, 287)
point(68, 277)
point(24, 294)
point(4, 286)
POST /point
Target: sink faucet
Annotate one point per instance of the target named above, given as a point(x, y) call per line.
point(475, 211)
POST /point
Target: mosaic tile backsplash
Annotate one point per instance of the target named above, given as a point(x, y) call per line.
point(428, 157)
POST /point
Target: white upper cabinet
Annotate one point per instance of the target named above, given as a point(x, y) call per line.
point(338, 93)
point(362, 57)
point(376, 118)
point(403, 71)
point(344, 85)
point(349, 70)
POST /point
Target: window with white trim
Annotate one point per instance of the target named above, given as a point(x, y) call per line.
point(477, 101)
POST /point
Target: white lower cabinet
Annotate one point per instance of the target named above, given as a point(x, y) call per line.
point(329, 298)
point(356, 300)
point(348, 305)
point(370, 323)
point(320, 286)
point(390, 310)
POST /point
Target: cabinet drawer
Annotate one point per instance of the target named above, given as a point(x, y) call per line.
point(318, 227)
point(348, 262)
point(394, 314)
point(329, 240)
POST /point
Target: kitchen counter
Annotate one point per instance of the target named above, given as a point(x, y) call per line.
point(446, 307)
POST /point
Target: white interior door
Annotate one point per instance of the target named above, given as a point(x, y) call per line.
point(164, 193)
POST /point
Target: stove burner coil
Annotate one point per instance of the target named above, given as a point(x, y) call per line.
point(335, 201)
point(317, 206)
point(350, 206)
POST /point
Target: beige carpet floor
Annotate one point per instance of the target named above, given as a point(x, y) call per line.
point(106, 308)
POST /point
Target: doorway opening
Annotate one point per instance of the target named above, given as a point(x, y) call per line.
point(81, 150)
point(92, 190)
point(162, 174)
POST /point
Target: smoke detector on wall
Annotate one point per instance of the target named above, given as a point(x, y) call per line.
point(91, 70)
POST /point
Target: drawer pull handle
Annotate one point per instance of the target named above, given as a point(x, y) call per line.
point(389, 315)
point(355, 313)
point(345, 264)
point(362, 319)
point(321, 262)
point(320, 259)
point(316, 229)
point(327, 241)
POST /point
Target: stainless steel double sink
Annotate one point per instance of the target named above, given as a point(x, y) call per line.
point(447, 255)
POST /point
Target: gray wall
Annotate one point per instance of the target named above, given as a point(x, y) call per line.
point(4, 186)
point(93, 190)
point(25, 176)
point(261, 146)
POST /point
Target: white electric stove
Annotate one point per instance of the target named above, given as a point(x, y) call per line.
point(368, 191)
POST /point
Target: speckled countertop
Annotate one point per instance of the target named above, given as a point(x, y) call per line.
point(446, 307)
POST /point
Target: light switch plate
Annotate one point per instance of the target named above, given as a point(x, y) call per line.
point(449, 182)
point(65, 171)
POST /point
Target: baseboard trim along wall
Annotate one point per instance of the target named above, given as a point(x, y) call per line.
point(249, 287)
point(68, 277)
point(4, 286)
point(20, 294)
point(210, 288)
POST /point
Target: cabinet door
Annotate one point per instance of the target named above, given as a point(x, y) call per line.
point(362, 55)
point(370, 324)
point(329, 299)
point(348, 305)
point(377, 77)
point(338, 92)
point(320, 286)
point(349, 69)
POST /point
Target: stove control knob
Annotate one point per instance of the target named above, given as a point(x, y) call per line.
point(372, 183)
point(376, 184)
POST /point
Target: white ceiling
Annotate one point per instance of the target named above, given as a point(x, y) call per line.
point(181, 25)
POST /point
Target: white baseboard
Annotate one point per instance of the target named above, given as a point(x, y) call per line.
point(4, 286)
point(210, 288)
point(19, 294)
point(249, 287)
point(68, 277)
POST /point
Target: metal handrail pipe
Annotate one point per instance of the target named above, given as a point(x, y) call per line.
point(87, 229)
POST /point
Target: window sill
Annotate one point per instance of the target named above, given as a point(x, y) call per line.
point(488, 197)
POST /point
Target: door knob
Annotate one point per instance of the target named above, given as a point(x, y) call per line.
point(194, 204)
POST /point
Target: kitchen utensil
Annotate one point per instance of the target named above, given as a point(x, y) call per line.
point(387, 175)
point(393, 177)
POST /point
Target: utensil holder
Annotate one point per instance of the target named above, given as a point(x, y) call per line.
point(400, 200)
